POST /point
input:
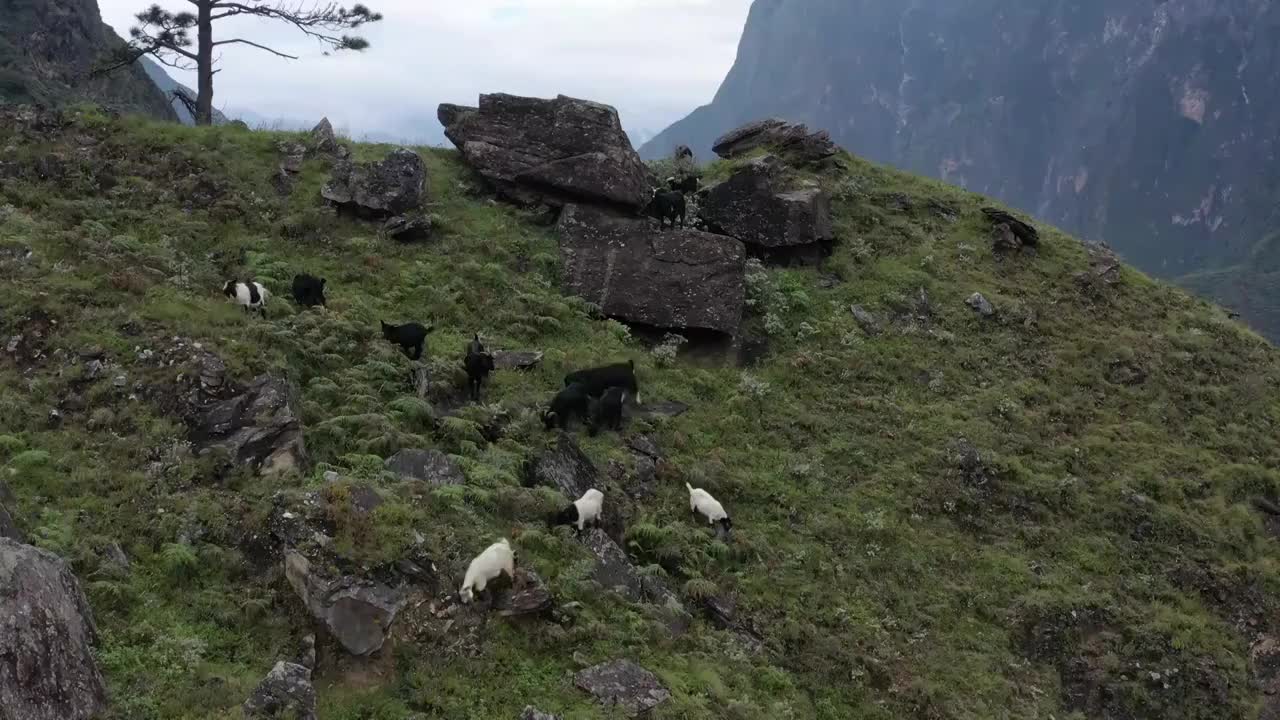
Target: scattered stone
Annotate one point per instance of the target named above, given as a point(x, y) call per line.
point(759, 207)
point(114, 554)
point(644, 445)
point(536, 151)
point(866, 320)
point(286, 692)
point(981, 305)
point(292, 155)
point(532, 713)
point(615, 573)
point(792, 140)
point(14, 342)
point(330, 476)
point(516, 359)
point(676, 279)
point(120, 381)
point(47, 666)
point(392, 186)
point(260, 428)
point(564, 467)
point(408, 228)
point(307, 658)
point(1023, 233)
point(93, 369)
point(624, 684)
point(324, 141)
point(356, 611)
point(430, 466)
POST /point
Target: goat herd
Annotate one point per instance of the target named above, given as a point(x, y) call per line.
point(594, 396)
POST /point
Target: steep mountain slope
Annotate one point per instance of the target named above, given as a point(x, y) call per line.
point(1046, 512)
point(1151, 125)
point(49, 47)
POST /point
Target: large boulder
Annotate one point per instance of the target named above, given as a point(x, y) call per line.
point(286, 692)
point(356, 611)
point(624, 684)
point(759, 207)
point(676, 279)
point(260, 428)
point(790, 139)
point(47, 668)
point(534, 150)
point(429, 466)
point(385, 188)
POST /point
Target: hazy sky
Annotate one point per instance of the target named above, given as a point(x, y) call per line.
point(655, 60)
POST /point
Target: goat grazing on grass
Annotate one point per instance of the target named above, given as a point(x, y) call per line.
point(667, 205)
point(701, 502)
point(597, 380)
point(608, 412)
point(583, 511)
point(478, 363)
point(308, 290)
point(250, 295)
point(410, 337)
point(572, 400)
point(497, 559)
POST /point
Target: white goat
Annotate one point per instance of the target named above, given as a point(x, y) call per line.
point(700, 501)
point(585, 509)
point(497, 559)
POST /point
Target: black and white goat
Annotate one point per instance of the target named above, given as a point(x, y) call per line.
point(250, 295)
point(584, 511)
point(701, 503)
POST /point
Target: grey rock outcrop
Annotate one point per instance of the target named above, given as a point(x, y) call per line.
point(793, 140)
point(534, 150)
point(624, 684)
point(392, 186)
point(47, 667)
point(756, 206)
point(430, 466)
point(356, 611)
point(260, 427)
point(286, 692)
point(677, 279)
point(564, 467)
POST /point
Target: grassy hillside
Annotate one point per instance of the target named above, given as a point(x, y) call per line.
point(1042, 514)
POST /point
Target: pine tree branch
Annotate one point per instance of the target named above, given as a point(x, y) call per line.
point(242, 41)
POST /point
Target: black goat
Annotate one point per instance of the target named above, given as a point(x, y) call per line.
point(478, 364)
point(308, 290)
point(410, 336)
point(667, 205)
point(608, 411)
point(572, 400)
point(597, 380)
point(687, 184)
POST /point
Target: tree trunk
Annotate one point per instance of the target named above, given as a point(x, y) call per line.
point(204, 63)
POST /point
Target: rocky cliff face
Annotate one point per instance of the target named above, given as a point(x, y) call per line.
point(1151, 125)
point(48, 49)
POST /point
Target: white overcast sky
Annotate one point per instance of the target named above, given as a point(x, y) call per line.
point(655, 60)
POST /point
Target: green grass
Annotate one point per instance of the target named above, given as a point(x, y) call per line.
point(1106, 536)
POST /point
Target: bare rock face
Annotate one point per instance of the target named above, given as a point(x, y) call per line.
point(286, 692)
point(393, 186)
point(756, 206)
point(356, 611)
point(260, 427)
point(47, 668)
point(677, 279)
point(548, 151)
point(791, 139)
point(624, 684)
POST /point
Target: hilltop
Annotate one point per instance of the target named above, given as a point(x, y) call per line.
point(1047, 509)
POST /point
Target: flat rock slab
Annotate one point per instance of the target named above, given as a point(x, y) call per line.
point(430, 466)
point(665, 408)
point(636, 272)
point(564, 467)
point(516, 359)
point(356, 611)
point(392, 186)
point(624, 684)
point(260, 428)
